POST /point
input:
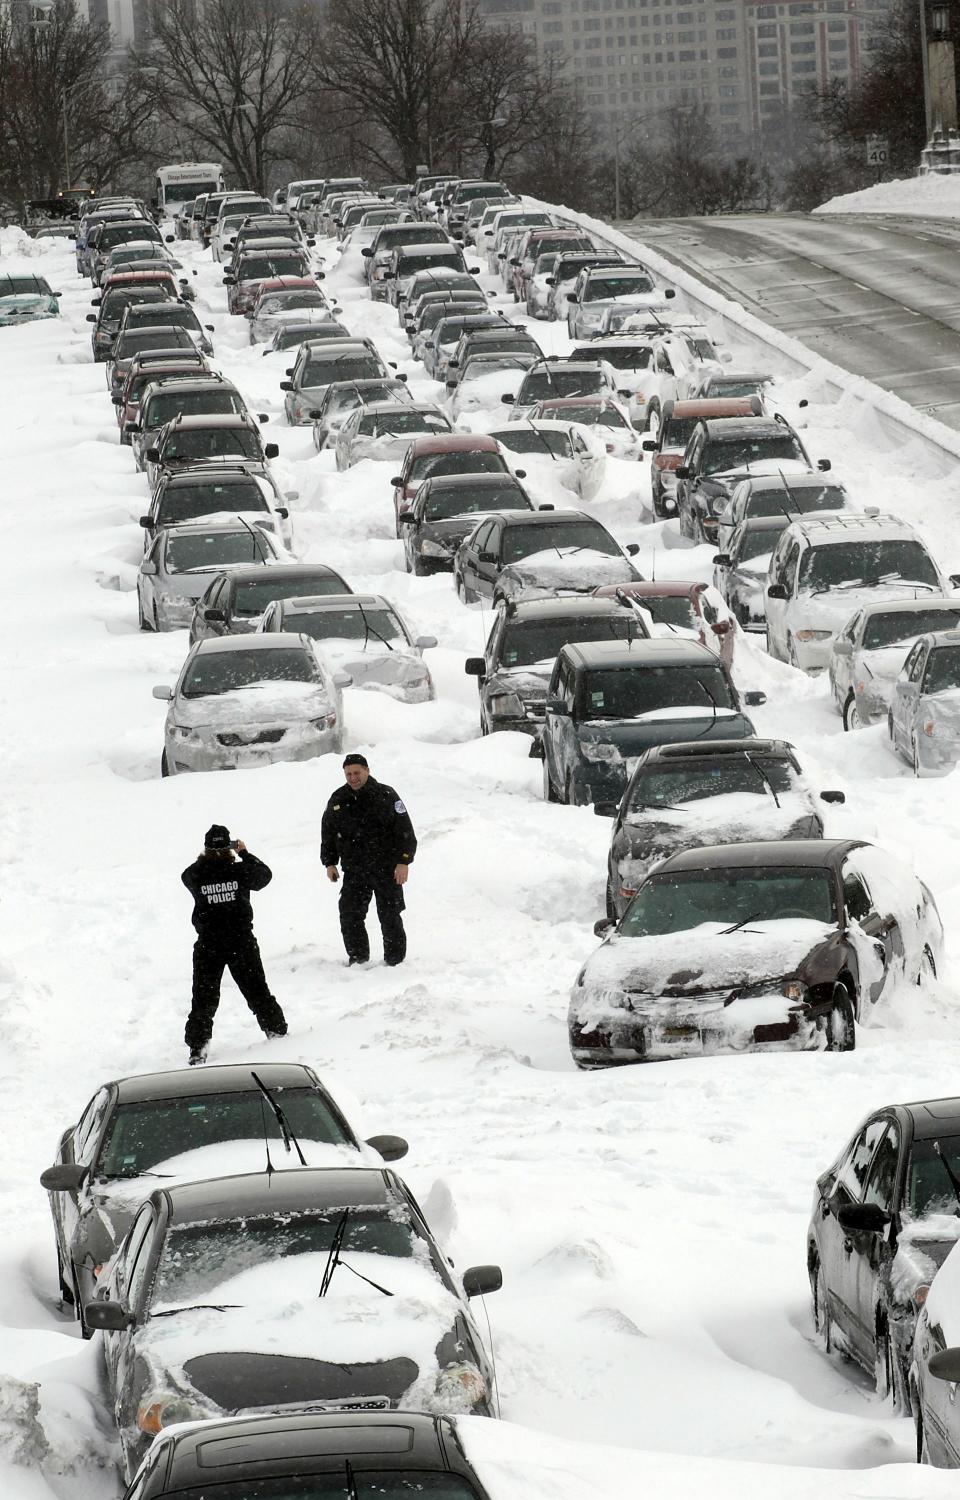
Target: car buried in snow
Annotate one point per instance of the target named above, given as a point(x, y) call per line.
point(383, 430)
point(698, 792)
point(190, 1122)
point(343, 397)
point(604, 415)
point(884, 1220)
point(324, 362)
point(224, 1300)
point(867, 654)
point(363, 635)
point(166, 398)
point(778, 495)
point(26, 299)
point(740, 570)
point(923, 720)
point(236, 598)
point(197, 442)
point(676, 607)
point(514, 555)
point(253, 497)
point(677, 422)
point(780, 946)
point(178, 566)
point(572, 454)
point(446, 509)
point(722, 453)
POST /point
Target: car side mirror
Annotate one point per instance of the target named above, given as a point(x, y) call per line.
point(271, 451)
point(366, 250)
point(632, 548)
point(669, 293)
point(754, 699)
point(556, 706)
point(211, 612)
point(475, 666)
point(109, 1317)
point(397, 480)
point(683, 472)
point(508, 399)
point(776, 591)
point(601, 928)
point(605, 809)
point(153, 455)
point(945, 1365)
point(342, 680)
point(390, 1147)
point(283, 513)
point(164, 693)
point(536, 751)
point(66, 1177)
point(286, 385)
point(474, 270)
point(843, 648)
point(868, 1218)
point(425, 642)
point(408, 518)
point(824, 465)
point(479, 1280)
point(514, 261)
point(955, 580)
point(837, 797)
point(722, 560)
point(148, 569)
point(91, 317)
point(210, 327)
point(649, 445)
point(229, 281)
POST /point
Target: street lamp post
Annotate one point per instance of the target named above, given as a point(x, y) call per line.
point(66, 134)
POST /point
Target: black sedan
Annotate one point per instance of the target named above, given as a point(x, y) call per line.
point(236, 599)
point(748, 947)
point(884, 1219)
point(306, 1291)
point(447, 509)
point(106, 1162)
point(350, 1456)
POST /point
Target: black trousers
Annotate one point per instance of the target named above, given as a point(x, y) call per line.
point(355, 893)
point(240, 953)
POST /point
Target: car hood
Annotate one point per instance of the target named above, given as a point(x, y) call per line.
point(922, 1247)
point(884, 663)
point(565, 568)
point(832, 610)
point(268, 703)
point(944, 706)
point(735, 818)
point(452, 530)
point(187, 585)
point(373, 663)
point(241, 1382)
point(528, 682)
point(387, 446)
point(627, 738)
point(701, 960)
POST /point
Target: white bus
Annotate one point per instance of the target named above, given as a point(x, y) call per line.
point(176, 185)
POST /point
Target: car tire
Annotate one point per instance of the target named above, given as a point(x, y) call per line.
point(840, 1024)
point(164, 765)
point(851, 715)
point(822, 1321)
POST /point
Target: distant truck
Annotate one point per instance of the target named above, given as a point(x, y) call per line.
point(176, 185)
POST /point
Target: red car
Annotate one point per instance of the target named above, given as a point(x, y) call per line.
point(250, 270)
point(141, 373)
point(281, 298)
point(690, 607)
point(678, 420)
point(448, 453)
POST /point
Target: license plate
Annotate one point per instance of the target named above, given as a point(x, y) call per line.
point(681, 1033)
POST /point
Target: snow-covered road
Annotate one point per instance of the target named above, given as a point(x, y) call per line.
point(650, 1221)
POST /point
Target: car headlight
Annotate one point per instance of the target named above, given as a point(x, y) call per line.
point(461, 1388)
point(794, 989)
point(434, 549)
point(506, 706)
point(159, 1409)
point(181, 733)
point(814, 635)
point(594, 750)
point(327, 721)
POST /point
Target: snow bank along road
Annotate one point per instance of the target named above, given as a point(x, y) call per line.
point(880, 297)
point(650, 1221)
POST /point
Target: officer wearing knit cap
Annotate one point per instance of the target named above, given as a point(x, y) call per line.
point(367, 831)
point(220, 881)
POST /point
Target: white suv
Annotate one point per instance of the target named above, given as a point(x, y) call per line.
point(826, 566)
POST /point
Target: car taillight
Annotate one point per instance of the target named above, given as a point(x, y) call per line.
point(920, 1295)
point(721, 627)
point(611, 448)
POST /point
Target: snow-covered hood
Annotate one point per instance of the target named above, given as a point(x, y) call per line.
point(944, 706)
point(373, 664)
point(884, 663)
point(615, 740)
point(26, 306)
point(244, 708)
point(387, 445)
point(571, 568)
point(735, 818)
point(526, 682)
point(700, 960)
point(832, 610)
point(188, 585)
point(922, 1247)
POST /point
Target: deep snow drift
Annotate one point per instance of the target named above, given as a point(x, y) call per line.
point(933, 196)
point(650, 1221)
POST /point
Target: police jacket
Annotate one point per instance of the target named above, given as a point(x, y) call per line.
point(369, 829)
point(221, 893)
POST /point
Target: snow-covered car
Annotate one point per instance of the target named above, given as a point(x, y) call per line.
point(177, 569)
point(513, 673)
point(192, 1123)
point(868, 653)
point(884, 1221)
point(363, 635)
point(825, 567)
point(26, 299)
point(935, 1369)
point(780, 945)
point(573, 454)
point(506, 221)
point(163, 342)
point(452, 453)
point(690, 794)
point(199, 494)
point(678, 357)
point(288, 299)
point(344, 396)
point(323, 362)
point(515, 555)
point(190, 442)
point(681, 607)
point(923, 719)
point(250, 268)
point(530, 244)
point(603, 415)
point(552, 379)
point(784, 495)
point(407, 261)
point(481, 380)
point(168, 315)
point(596, 289)
point(432, 307)
point(540, 284)
point(632, 358)
point(446, 509)
point(146, 370)
point(436, 347)
point(740, 570)
point(723, 384)
point(383, 430)
point(167, 398)
point(609, 701)
point(249, 700)
point(291, 334)
point(377, 256)
point(119, 292)
point(566, 270)
point(677, 422)
point(236, 598)
point(722, 453)
point(241, 1308)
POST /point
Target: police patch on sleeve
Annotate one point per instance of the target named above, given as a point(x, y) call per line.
point(398, 806)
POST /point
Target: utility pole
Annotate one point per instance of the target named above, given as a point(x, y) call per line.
point(66, 139)
point(616, 172)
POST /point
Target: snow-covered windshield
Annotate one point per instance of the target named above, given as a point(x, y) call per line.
point(197, 1258)
point(720, 458)
point(928, 1187)
point(677, 432)
point(213, 442)
point(687, 899)
point(527, 641)
point(254, 596)
point(138, 339)
point(203, 403)
point(171, 316)
point(866, 565)
point(188, 503)
point(260, 267)
point(433, 312)
point(755, 544)
point(441, 504)
point(692, 781)
point(571, 536)
point(623, 284)
point(671, 609)
point(282, 301)
point(225, 671)
point(729, 386)
point(491, 361)
point(347, 624)
point(625, 357)
point(151, 1130)
point(533, 440)
point(345, 367)
point(409, 265)
point(943, 670)
point(601, 415)
point(214, 549)
point(541, 385)
point(400, 423)
point(456, 463)
point(627, 692)
point(114, 302)
point(776, 499)
point(898, 627)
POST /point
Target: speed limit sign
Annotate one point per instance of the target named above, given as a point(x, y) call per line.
point(878, 148)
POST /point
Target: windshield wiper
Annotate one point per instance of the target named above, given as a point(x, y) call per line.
point(169, 1312)
point(763, 776)
point(369, 630)
point(288, 1136)
point(713, 705)
point(334, 1259)
point(541, 439)
point(725, 931)
point(954, 1180)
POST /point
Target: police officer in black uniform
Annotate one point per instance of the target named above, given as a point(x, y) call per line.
point(368, 831)
point(220, 885)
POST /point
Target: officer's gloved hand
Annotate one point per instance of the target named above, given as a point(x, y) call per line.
point(333, 873)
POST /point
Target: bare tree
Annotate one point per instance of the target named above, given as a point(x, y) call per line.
point(231, 74)
point(507, 100)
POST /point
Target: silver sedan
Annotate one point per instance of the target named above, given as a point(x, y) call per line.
point(363, 635)
point(924, 716)
point(181, 561)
